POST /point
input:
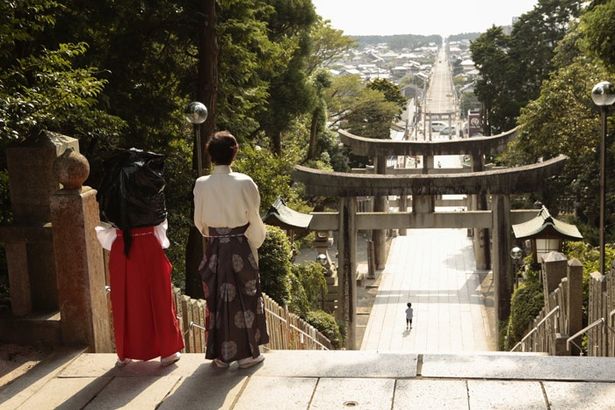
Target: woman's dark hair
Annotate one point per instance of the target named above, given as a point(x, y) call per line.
point(222, 148)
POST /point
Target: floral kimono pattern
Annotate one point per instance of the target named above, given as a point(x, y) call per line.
point(235, 314)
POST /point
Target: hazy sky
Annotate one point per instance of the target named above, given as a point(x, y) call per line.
point(357, 17)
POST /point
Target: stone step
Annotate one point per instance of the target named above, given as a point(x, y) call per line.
point(35, 328)
point(322, 379)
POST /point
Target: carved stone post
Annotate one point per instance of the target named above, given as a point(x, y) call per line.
point(79, 257)
point(347, 269)
point(380, 205)
point(554, 266)
point(31, 266)
point(502, 265)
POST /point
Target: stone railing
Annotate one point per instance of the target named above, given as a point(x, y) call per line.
point(561, 315)
point(287, 331)
point(601, 315)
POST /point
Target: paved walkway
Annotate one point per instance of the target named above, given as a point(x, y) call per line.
point(435, 271)
point(291, 380)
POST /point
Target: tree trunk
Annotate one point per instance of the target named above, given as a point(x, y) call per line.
point(276, 142)
point(311, 154)
point(206, 93)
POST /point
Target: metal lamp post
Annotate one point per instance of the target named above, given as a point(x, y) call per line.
point(603, 95)
point(196, 114)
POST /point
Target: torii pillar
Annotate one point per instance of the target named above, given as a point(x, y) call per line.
point(502, 265)
point(481, 236)
point(380, 205)
point(347, 261)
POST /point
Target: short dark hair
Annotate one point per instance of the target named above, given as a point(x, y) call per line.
point(222, 148)
point(409, 304)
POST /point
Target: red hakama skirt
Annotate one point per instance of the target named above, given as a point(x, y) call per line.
point(144, 318)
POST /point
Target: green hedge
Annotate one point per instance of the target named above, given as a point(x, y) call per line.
point(526, 303)
point(326, 324)
point(275, 266)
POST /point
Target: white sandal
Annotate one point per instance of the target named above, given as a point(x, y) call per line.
point(219, 363)
point(169, 360)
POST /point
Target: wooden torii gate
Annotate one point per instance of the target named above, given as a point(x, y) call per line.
point(347, 221)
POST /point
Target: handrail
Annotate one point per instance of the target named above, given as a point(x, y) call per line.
point(535, 328)
point(580, 332)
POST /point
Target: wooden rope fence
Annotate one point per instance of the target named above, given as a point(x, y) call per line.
point(287, 331)
point(601, 339)
point(548, 323)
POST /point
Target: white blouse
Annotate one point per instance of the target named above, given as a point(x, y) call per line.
point(106, 234)
point(227, 199)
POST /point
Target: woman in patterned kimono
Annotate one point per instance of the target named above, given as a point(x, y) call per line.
point(226, 212)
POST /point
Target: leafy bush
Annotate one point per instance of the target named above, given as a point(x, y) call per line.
point(326, 324)
point(308, 288)
point(275, 265)
point(312, 277)
point(527, 300)
point(299, 304)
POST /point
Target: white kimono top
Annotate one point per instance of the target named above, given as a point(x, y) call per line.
point(227, 199)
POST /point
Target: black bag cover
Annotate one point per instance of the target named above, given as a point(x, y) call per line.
point(131, 193)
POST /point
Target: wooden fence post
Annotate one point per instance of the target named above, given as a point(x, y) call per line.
point(574, 296)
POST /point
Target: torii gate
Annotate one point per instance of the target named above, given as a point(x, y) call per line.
point(476, 148)
point(498, 183)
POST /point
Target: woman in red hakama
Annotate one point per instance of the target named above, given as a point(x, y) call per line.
point(144, 318)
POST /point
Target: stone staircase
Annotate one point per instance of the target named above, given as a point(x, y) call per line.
point(320, 380)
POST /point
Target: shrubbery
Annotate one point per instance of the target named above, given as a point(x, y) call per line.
point(275, 265)
point(527, 300)
point(326, 324)
point(300, 287)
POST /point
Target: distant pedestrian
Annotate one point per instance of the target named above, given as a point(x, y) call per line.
point(409, 314)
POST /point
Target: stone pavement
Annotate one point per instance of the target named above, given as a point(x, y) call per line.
point(433, 269)
point(320, 380)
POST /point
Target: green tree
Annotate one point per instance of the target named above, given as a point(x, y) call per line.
point(391, 92)
point(597, 27)
point(328, 45)
point(362, 110)
point(563, 120)
point(322, 81)
point(490, 52)
point(513, 67)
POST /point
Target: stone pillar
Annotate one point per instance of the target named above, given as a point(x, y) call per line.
point(481, 236)
point(554, 267)
point(403, 207)
point(31, 183)
point(502, 265)
point(19, 279)
point(79, 258)
point(575, 300)
point(380, 205)
point(347, 259)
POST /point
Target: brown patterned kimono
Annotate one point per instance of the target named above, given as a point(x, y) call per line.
point(235, 315)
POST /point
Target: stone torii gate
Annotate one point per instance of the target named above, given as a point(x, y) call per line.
point(347, 221)
point(476, 148)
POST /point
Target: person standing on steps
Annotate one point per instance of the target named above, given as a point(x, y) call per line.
point(131, 196)
point(409, 314)
point(226, 212)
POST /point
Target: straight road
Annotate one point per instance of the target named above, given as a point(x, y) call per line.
point(440, 97)
point(434, 269)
